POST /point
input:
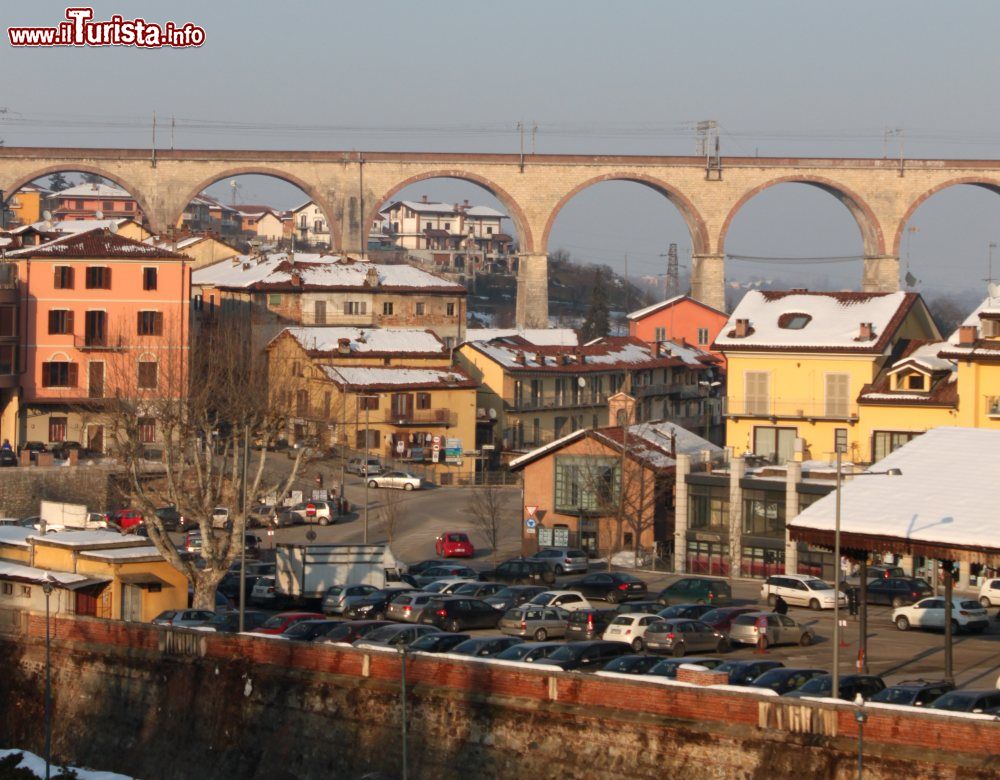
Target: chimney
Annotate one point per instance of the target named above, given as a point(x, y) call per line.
point(465, 204)
point(371, 276)
point(520, 358)
point(296, 279)
point(540, 358)
point(423, 198)
point(344, 346)
point(967, 335)
point(867, 332)
point(742, 328)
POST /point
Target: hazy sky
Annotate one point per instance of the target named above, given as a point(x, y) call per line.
point(784, 78)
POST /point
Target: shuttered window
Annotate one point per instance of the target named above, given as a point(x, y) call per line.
point(758, 392)
point(837, 398)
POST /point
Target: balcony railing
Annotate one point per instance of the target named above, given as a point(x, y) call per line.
point(99, 343)
point(529, 403)
point(670, 388)
point(806, 409)
point(445, 417)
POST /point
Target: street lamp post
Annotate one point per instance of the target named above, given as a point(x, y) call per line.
point(47, 589)
point(402, 705)
point(860, 716)
point(366, 399)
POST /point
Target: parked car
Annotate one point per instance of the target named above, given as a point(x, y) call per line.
point(454, 544)
point(913, 693)
point(308, 630)
point(437, 642)
point(690, 611)
point(229, 622)
point(584, 656)
point(401, 480)
point(171, 519)
point(646, 607)
point(446, 587)
point(408, 606)
point(456, 613)
point(394, 636)
point(336, 599)
point(374, 606)
point(721, 618)
point(570, 600)
point(34, 447)
point(479, 590)
point(513, 596)
point(680, 636)
point(851, 686)
point(783, 680)
point(261, 516)
point(985, 701)
point(349, 632)
point(877, 571)
point(277, 624)
point(781, 630)
point(588, 623)
point(312, 512)
point(743, 672)
point(563, 560)
point(220, 517)
point(631, 664)
point(485, 646)
point(446, 571)
point(419, 568)
point(62, 449)
point(263, 593)
point(229, 585)
point(667, 667)
point(126, 519)
point(613, 586)
point(966, 614)
point(528, 652)
point(989, 592)
point(183, 618)
point(537, 622)
point(630, 629)
point(8, 458)
point(801, 589)
point(895, 591)
point(364, 467)
point(696, 590)
point(520, 571)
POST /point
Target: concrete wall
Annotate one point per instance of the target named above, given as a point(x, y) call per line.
point(22, 489)
point(161, 703)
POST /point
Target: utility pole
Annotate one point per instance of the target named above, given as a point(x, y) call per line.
point(172, 123)
point(153, 150)
point(520, 130)
point(243, 509)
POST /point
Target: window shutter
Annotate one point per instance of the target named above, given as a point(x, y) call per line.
point(52, 321)
point(57, 279)
point(46, 374)
point(69, 320)
point(74, 375)
point(106, 276)
point(158, 323)
point(138, 323)
point(757, 392)
point(837, 400)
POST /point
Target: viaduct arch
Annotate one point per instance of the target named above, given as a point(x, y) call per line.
point(350, 186)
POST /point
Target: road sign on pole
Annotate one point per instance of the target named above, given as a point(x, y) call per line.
point(530, 510)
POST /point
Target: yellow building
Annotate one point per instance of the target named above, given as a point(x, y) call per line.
point(975, 348)
point(28, 204)
point(395, 387)
point(97, 573)
point(797, 362)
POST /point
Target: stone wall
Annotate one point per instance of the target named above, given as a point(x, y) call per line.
point(22, 489)
point(164, 703)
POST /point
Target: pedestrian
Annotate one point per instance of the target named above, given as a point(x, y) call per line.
point(6, 446)
point(780, 605)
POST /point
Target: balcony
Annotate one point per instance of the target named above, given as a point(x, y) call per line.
point(99, 343)
point(529, 403)
point(411, 417)
point(811, 410)
point(671, 388)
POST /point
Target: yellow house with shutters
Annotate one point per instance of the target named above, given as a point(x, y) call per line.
point(797, 361)
point(975, 348)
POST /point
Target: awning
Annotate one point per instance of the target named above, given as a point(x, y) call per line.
point(144, 579)
point(87, 583)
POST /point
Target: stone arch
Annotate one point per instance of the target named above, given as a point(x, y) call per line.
point(871, 231)
point(277, 173)
point(524, 236)
point(696, 224)
point(135, 192)
point(975, 181)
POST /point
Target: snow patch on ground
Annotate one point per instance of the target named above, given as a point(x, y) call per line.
point(36, 764)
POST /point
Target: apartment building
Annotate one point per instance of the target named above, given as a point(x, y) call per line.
point(95, 201)
point(681, 319)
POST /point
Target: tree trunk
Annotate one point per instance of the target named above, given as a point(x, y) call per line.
point(205, 584)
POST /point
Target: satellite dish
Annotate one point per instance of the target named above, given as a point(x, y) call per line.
point(581, 381)
point(98, 214)
point(47, 215)
point(493, 414)
point(994, 289)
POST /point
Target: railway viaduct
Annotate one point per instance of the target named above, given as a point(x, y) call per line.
point(350, 187)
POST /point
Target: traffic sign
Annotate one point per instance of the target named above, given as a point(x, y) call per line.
point(530, 510)
point(530, 523)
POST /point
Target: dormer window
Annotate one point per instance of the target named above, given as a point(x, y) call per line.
point(794, 320)
point(915, 382)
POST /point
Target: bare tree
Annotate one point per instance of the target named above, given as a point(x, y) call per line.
point(486, 507)
point(389, 513)
point(198, 416)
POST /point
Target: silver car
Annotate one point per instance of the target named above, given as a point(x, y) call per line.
point(563, 560)
point(680, 636)
point(537, 622)
point(183, 618)
point(401, 480)
point(777, 629)
point(408, 607)
point(338, 597)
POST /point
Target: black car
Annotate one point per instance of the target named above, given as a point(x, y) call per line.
point(437, 642)
point(637, 607)
point(308, 630)
point(172, 519)
point(486, 646)
point(631, 664)
point(895, 591)
point(913, 693)
point(983, 701)
point(478, 590)
point(458, 613)
point(586, 624)
point(229, 622)
point(395, 635)
point(783, 680)
point(374, 605)
point(419, 568)
point(8, 458)
point(613, 587)
point(850, 686)
point(585, 656)
point(668, 667)
point(349, 632)
point(528, 652)
point(742, 672)
point(513, 596)
point(229, 585)
point(520, 571)
point(689, 611)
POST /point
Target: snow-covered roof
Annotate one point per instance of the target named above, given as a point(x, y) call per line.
point(484, 211)
point(93, 191)
point(990, 349)
point(945, 497)
point(79, 225)
point(124, 553)
point(366, 340)
point(16, 535)
point(80, 540)
point(388, 376)
point(432, 207)
point(316, 271)
point(833, 321)
point(638, 314)
point(561, 337)
point(925, 356)
point(18, 571)
point(96, 243)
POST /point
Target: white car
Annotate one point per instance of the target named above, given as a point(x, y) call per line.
point(220, 517)
point(263, 591)
point(929, 613)
point(630, 628)
point(312, 512)
point(446, 587)
point(989, 592)
point(396, 479)
point(801, 589)
point(570, 600)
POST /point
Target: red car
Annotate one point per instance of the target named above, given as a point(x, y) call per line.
point(721, 618)
point(126, 519)
point(278, 623)
point(453, 544)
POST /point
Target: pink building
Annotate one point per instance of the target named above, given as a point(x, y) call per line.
point(100, 312)
point(85, 201)
point(680, 318)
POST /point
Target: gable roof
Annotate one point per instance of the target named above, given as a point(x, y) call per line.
point(920, 355)
point(833, 325)
point(94, 191)
point(562, 337)
point(981, 349)
point(96, 244)
point(638, 314)
point(396, 377)
point(366, 342)
point(431, 207)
